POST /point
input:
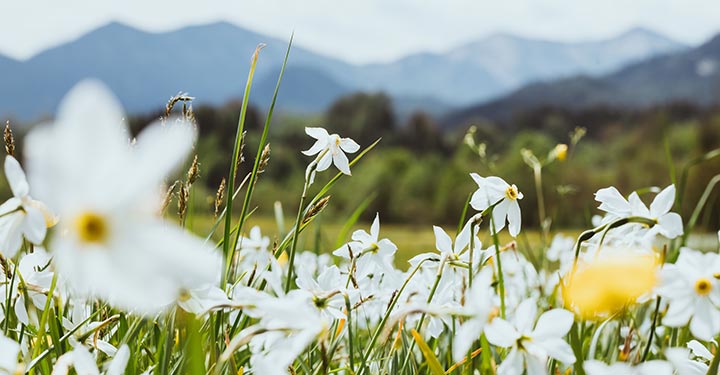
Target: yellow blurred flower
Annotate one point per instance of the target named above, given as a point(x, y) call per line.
point(605, 285)
point(560, 151)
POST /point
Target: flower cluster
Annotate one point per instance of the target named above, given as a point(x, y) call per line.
point(116, 288)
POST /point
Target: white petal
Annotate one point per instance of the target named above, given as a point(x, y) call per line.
point(84, 362)
point(464, 338)
point(318, 146)
point(349, 146)
point(375, 227)
point(341, 162)
point(34, 226)
point(699, 349)
point(317, 133)
point(160, 149)
point(512, 364)
point(442, 241)
point(553, 323)
point(612, 201)
point(663, 202)
point(671, 225)
point(501, 333)
point(705, 324)
point(524, 316)
point(91, 111)
point(324, 162)
point(559, 349)
point(119, 362)
point(499, 214)
point(514, 218)
point(16, 177)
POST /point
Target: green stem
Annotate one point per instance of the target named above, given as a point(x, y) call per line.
point(501, 278)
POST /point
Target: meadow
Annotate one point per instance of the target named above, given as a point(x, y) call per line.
point(117, 260)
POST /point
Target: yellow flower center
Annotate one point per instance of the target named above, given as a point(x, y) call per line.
point(703, 287)
point(91, 227)
point(184, 295)
point(511, 192)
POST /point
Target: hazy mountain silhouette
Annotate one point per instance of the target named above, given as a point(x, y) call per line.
point(211, 63)
point(692, 75)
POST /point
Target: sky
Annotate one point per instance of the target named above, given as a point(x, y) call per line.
point(362, 31)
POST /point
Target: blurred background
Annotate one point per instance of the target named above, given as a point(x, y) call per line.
point(641, 78)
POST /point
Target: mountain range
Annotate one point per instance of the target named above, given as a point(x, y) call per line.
point(211, 62)
point(691, 76)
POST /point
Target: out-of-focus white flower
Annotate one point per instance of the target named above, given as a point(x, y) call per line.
point(492, 190)
point(9, 351)
point(37, 276)
point(21, 216)
point(654, 367)
point(532, 347)
point(289, 324)
point(84, 364)
point(325, 290)
point(371, 254)
point(330, 149)
point(111, 243)
point(692, 292)
point(682, 361)
point(478, 309)
point(201, 300)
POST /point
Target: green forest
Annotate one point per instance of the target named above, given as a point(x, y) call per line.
point(418, 172)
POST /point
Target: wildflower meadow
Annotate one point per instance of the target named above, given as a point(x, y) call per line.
point(100, 277)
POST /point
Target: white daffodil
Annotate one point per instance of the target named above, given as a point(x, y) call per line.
point(201, 300)
point(9, 351)
point(371, 254)
point(21, 216)
point(669, 224)
point(37, 277)
point(478, 309)
point(654, 367)
point(326, 290)
point(111, 244)
point(83, 362)
point(692, 292)
point(289, 324)
point(331, 149)
point(492, 190)
point(532, 347)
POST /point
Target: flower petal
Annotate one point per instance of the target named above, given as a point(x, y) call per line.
point(663, 202)
point(16, 177)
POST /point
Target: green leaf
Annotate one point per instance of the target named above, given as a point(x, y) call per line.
point(432, 361)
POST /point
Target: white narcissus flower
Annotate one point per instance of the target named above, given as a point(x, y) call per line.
point(478, 309)
point(21, 216)
point(9, 351)
point(372, 254)
point(669, 224)
point(111, 244)
point(331, 149)
point(654, 367)
point(692, 292)
point(532, 347)
point(492, 190)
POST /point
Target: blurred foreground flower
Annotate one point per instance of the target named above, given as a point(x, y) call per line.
point(9, 350)
point(607, 284)
point(110, 243)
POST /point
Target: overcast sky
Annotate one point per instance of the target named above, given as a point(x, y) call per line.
point(361, 31)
